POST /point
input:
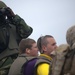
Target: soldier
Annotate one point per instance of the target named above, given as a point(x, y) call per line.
point(65, 55)
point(12, 29)
point(69, 64)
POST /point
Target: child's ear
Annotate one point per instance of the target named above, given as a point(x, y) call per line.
point(27, 50)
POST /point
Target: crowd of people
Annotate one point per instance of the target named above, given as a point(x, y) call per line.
point(52, 60)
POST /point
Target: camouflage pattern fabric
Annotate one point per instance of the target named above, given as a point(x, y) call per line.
point(59, 59)
point(64, 63)
point(5, 64)
point(23, 29)
point(70, 37)
point(2, 4)
point(18, 29)
point(12, 49)
point(69, 65)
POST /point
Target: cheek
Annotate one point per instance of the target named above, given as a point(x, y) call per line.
point(34, 51)
point(50, 48)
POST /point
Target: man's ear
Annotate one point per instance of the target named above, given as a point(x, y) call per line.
point(27, 50)
point(44, 48)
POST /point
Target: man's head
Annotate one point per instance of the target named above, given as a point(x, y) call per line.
point(2, 4)
point(46, 44)
point(70, 36)
point(28, 46)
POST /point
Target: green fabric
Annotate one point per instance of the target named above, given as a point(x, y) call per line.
point(22, 28)
point(2, 4)
point(20, 22)
point(5, 65)
point(18, 29)
point(16, 67)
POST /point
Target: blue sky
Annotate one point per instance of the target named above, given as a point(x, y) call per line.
point(51, 17)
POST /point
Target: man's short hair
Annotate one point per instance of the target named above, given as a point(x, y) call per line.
point(42, 41)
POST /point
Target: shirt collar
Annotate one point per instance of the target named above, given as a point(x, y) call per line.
point(46, 56)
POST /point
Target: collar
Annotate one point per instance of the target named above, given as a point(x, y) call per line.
point(44, 55)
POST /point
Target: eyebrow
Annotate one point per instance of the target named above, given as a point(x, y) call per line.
point(54, 43)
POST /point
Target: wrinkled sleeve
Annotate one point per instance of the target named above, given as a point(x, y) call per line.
point(43, 69)
point(21, 27)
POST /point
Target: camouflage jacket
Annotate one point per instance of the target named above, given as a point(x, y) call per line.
point(18, 29)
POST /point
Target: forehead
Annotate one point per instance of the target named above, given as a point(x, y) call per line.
point(51, 40)
point(34, 44)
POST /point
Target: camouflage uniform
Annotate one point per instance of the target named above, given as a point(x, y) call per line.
point(64, 64)
point(69, 65)
point(18, 29)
